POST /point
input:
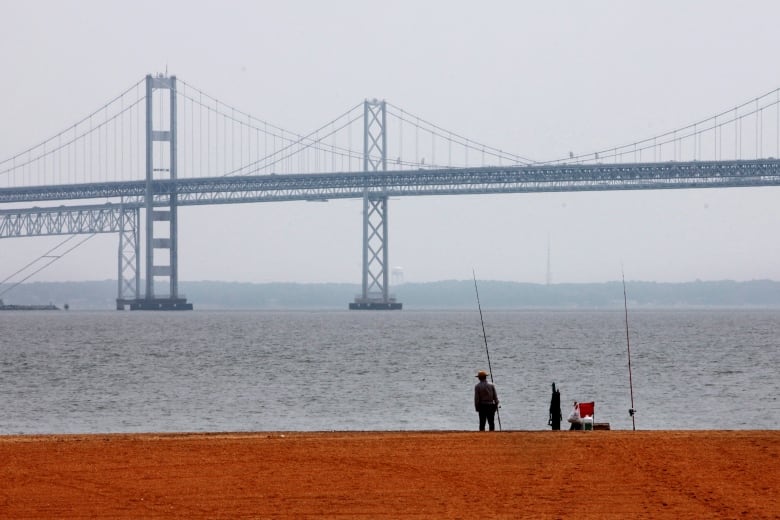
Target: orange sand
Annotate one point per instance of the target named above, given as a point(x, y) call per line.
point(601, 474)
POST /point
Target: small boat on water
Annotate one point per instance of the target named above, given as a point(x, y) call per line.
point(18, 307)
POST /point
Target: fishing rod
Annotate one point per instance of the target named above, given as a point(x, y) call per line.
point(631, 411)
point(484, 335)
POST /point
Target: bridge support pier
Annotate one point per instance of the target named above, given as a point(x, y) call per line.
point(375, 288)
point(128, 280)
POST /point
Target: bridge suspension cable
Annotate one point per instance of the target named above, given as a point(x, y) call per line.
point(308, 142)
point(485, 152)
point(701, 140)
point(217, 139)
point(86, 149)
point(257, 157)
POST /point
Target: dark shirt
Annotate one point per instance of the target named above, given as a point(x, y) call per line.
point(485, 392)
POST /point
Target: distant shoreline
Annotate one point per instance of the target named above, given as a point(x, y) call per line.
point(442, 295)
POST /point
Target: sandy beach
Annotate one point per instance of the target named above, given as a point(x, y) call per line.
point(600, 474)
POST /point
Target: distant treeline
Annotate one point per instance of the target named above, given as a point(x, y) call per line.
point(451, 294)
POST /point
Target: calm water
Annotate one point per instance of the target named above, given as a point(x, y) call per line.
point(73, 372)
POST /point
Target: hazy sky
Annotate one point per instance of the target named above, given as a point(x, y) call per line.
point(537, 78)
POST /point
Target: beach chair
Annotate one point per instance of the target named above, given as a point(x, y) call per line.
point(587, 411)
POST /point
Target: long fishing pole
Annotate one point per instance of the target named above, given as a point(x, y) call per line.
point(631, 411)
point(484, 335)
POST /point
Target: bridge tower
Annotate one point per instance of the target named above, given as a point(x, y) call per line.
point(375, 288)
point(161, 209)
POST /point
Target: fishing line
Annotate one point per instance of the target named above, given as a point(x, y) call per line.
point(631, 411)
point(484, 335)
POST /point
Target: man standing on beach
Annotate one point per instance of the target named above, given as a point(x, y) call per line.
point(485, 401)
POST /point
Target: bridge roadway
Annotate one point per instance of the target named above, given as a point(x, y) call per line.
point(324, 186)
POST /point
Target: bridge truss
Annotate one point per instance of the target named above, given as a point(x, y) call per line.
point(448, 181)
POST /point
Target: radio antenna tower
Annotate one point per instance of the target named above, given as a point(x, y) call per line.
point(549, 271)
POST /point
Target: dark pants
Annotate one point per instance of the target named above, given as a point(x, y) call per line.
point(487, 412)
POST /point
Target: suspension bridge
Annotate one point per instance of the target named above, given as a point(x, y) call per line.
point(162, 143)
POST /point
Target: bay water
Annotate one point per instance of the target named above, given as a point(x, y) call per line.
point(217, 371)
